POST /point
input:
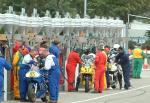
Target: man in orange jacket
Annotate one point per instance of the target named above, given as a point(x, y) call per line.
point(72, 61)
point(100, 63)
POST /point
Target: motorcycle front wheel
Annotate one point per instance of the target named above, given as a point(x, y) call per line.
point(87, 87)
point(31, 93)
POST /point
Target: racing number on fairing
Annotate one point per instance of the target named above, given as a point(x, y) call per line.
point(32, 74)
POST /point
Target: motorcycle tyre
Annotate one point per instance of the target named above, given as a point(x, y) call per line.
point(30, 93)
point(87, 85)
point(114, 86)
point(77, 84)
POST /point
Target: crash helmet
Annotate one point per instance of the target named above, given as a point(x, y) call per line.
point(116, 46)
point(86, 50)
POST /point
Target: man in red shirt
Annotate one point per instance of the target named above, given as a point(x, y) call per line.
point(72, 61)
point(100, 63)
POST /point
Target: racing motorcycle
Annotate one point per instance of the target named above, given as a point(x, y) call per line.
point(37, 80)
point(115, 75)
point(115, 71)
point(86, 76)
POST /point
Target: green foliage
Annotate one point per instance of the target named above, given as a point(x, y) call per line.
point(118, 8)
point(147, 34)
point(147, 43)
point(131, 44)
point(107, 8)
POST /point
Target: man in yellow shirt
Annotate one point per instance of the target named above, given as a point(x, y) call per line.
point(138, 56)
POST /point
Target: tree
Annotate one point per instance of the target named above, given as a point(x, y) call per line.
point(107, 8)
point(118, 8)
point(131, 44)
point(147, 42)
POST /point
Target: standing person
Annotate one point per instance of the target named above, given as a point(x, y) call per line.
point(52, 65)
point(100, 63)
point(106, 77)
point(107, 49)
point(17, 59)
point(54, 49)
point(123, 59)
point(138, 56)
point(15, 48)
point(27, 61)
point(72, 61)
point(7, 66)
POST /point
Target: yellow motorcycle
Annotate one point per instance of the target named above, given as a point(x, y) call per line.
point(86, 76)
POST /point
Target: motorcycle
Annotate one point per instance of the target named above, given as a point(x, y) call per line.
point(86, 74)
point(115, 71)
point(37, 85)
point(115, 75)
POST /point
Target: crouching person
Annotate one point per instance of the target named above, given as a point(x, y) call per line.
point(52, 65)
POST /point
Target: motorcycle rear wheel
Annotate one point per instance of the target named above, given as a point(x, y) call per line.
point(77, 83)
point(31, 93)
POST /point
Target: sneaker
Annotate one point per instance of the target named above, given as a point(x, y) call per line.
point(110, 88)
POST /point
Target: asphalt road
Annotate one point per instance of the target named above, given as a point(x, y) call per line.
point(139, 93)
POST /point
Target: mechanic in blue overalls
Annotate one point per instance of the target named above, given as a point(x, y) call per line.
point(7, 66)
point(28, 60)
point(54, 49)
point(123, 59)
point(52, 65)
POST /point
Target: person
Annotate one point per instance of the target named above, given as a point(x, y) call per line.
point(131, 60)
point(138, 56)
point(106, 52)
point(87, 56)
point(86, 53)
point(54, 49)
point(7, 66)
point(27, 61)
point(72, 61)
point(100, 63)
point(114, 50)
point(17, 59)
point(123, 59)
point(16, 46)
point(52, 65)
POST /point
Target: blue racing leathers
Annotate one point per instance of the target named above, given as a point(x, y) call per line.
point(24, 68)
point(3, 64)
point(52, 65)
point(54, 50)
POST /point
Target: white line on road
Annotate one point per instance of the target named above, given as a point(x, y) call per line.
point(99, 97)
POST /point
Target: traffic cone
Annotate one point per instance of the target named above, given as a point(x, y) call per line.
point(145, 65)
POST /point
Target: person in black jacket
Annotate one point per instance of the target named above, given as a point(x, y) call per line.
point(123, 59)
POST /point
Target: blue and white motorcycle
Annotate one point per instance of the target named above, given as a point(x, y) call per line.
point(37, 85)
